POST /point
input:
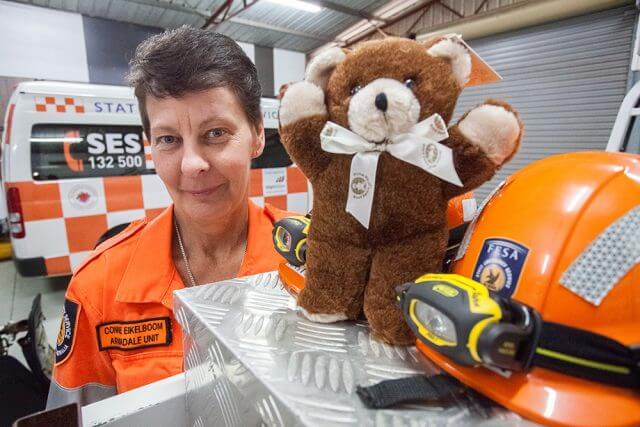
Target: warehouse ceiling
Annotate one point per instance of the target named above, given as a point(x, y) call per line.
point(287, 24)
point(272, 23)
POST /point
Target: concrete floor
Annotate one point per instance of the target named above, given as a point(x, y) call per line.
point(16, 296)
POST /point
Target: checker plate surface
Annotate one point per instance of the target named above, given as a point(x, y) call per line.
point(252, 359)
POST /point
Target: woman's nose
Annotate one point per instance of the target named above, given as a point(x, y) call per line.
point(193, 159)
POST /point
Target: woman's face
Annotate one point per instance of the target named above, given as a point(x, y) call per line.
point(202, 145)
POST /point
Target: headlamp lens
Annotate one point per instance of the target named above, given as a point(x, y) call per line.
point(283, 239)
point(436, 322)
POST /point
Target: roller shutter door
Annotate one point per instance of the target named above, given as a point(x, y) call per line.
point(566, 79)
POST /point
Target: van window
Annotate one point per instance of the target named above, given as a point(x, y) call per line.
point(274, 154)
point(82, 151)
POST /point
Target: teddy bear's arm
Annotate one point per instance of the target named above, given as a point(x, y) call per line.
point(303, 114)
point(483, 140)
point(471, 163)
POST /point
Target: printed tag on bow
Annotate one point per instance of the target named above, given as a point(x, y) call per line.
point(362, 186)
point(421, 148)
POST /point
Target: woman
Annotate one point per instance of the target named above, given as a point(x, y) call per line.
point(199, 99)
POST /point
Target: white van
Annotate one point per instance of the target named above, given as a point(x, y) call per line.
point(75, 165)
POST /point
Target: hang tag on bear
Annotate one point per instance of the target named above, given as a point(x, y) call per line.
point(481, 72)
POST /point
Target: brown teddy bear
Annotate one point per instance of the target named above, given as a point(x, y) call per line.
point(367, 127)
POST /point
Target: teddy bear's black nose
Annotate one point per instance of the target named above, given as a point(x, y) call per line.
point(381, 102)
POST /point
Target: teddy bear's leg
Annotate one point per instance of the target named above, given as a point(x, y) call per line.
point(393, 265)
point(335, 280)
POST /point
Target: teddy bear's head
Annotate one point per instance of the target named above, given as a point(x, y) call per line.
point(384, 87)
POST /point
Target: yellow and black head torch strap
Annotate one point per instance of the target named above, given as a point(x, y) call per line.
point(587, 355)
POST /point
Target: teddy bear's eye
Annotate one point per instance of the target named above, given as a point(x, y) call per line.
point(355, 89)
point(409, 83)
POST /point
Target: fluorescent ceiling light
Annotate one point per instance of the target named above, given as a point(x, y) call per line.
point(299, 4)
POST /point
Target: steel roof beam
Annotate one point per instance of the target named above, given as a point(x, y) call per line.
point(228, 17)
point(172, 6)
point(402, 15)
point(278, 28)
point(346, 10)
point(450, 9)
point(224, 8)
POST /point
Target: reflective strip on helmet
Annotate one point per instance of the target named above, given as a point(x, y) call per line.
point(606, 260)
point(83, 395)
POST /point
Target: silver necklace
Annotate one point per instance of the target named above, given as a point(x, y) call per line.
point(192, 279)
point(184, 255)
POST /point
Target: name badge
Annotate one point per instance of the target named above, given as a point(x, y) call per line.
point(134, 335)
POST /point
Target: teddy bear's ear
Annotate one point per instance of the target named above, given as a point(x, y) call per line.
point(321, 67)
point(457, 54)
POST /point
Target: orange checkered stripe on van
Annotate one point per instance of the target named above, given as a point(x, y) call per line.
point(58, 104)
point(63, 220)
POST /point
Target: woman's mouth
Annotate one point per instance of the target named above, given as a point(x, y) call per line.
point(201, 192)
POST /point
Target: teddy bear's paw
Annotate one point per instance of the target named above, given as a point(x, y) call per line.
point(323, 318)
point(494, 129)
point(301, 100)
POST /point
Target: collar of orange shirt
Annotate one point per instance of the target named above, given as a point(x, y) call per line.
point(151, 275)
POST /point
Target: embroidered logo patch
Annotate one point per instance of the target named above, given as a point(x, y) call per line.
point(500, 264)
point(66, 335)
point(134, 335)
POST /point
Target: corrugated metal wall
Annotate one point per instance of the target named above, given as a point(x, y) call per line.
point(566, 79)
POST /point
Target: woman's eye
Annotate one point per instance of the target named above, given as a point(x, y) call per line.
point(216, 133)
point(410, 83)
point(355, 89)
point(166, 139)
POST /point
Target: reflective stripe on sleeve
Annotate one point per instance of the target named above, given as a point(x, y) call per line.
point(83, 395)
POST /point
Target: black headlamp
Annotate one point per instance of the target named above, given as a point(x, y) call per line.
point(463, 320)
point(290, 238)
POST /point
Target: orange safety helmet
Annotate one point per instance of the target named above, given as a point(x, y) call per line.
point(563, 237)
point(459, 210)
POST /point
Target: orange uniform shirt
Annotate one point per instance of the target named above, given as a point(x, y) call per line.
point(118, 329)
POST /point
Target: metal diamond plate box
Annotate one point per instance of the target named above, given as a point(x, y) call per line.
point(251, 359)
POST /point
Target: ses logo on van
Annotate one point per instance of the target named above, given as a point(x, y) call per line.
point(87, 151)
point(105, 151)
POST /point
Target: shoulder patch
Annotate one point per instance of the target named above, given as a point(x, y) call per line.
point(500, 264)
point(67, 333)
point(134, 335)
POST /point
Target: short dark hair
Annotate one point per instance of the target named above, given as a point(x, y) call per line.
point(186, 59)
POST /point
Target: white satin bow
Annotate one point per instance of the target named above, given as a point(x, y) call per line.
point(419, 147)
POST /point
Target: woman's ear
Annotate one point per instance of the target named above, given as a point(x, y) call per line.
point(258, 142)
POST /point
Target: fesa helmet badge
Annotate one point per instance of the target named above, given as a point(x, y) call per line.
point(500, 264)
